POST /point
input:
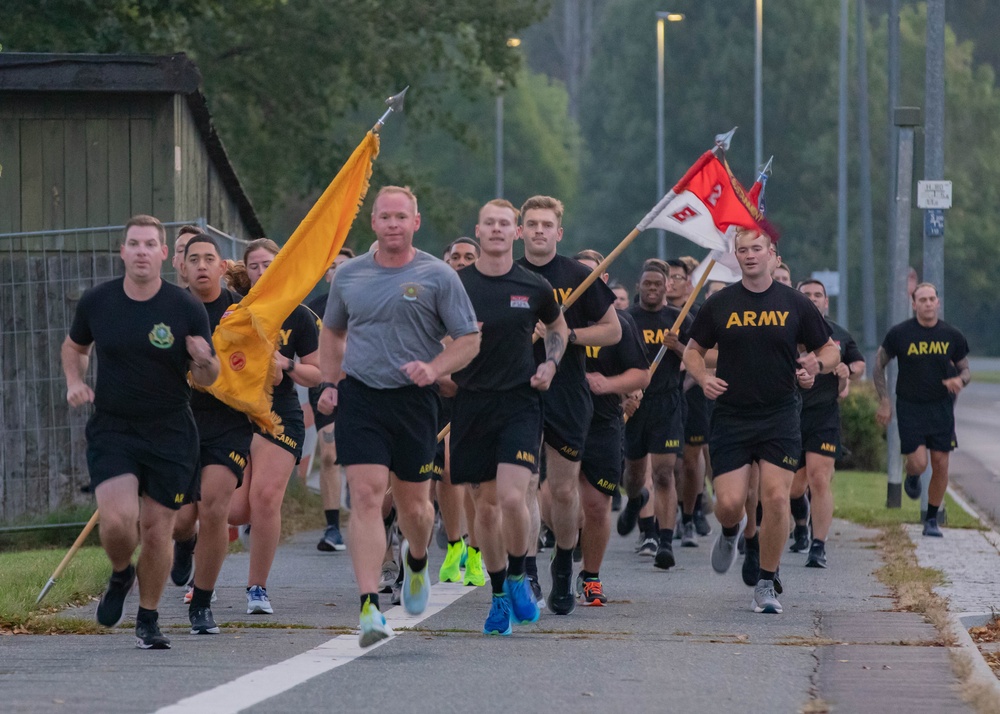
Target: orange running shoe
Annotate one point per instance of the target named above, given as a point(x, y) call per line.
point(593, 592)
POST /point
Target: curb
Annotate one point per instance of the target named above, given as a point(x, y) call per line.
point(981, 678)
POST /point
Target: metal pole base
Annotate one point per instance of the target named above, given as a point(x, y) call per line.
point(894, 495)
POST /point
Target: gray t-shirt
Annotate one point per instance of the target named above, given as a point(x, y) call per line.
point(396, 315)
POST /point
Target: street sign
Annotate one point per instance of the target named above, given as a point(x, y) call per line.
point(934, 222)
point(933, 194)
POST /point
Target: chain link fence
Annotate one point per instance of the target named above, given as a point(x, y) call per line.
point(43, 274)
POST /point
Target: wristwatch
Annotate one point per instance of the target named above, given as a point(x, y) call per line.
point(572, 336)
point(323, 386)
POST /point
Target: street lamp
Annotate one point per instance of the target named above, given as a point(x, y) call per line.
point(661, 168)
point(511, 42)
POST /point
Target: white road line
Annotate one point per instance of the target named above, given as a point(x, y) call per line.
point(255, 687)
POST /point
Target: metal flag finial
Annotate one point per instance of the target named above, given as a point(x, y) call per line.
point(395, 104)
point(723, 140)
point(766, 170)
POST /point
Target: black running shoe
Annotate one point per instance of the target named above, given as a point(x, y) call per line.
point(701, 525)
point(202, 622)
point(911, 484)
point(561, 600)
point(801, 536)
point(536, 590)
point(183, 567)
point(629, 516)
point(149, 637)
point(817, 556)
point(109, 609)
point(664, 558)
point(751, 563)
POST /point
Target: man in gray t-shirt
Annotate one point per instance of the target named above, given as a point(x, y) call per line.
point(386, 316)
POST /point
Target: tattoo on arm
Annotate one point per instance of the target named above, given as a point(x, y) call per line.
point(878, 376)
point(554, 346)
point(963, 370)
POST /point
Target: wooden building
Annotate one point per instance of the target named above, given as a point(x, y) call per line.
point(86, 141)
point(89, 140)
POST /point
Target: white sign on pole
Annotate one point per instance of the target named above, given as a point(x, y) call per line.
point(933, 194)
point(830, 280)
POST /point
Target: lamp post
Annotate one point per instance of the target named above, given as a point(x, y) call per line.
point(661, 168)
point(511, 42)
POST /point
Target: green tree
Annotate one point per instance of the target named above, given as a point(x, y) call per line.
point(709, 88)
point(293, 86)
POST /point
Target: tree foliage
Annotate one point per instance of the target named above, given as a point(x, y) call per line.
point(293, 85)
point(709, 89)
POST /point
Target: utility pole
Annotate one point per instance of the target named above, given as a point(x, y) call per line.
point(934, 144)
point(842, 173)
point(868, 336)
point(906, 120)
point(758, 87)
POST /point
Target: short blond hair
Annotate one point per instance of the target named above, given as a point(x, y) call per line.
point(502, 203)
point(544, 203)
point(404, 190)
point(142, 219)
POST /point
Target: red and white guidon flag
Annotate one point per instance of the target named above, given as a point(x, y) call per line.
point(704, 204)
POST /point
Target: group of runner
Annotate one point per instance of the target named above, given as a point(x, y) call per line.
point(557, 397)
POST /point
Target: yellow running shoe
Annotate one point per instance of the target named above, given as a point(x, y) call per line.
point(474, 574)
point(451, 571)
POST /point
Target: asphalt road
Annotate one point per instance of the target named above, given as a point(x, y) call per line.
point(683, 640)
point(975, 466)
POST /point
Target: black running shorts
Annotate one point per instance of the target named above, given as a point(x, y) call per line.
point(294, 428)
point(492, 428)
point(161, 451)
point(696, 422)
point(567, 410)
point(656, 426)
point(930, 424)
point(821, 431)
point(602, 456)
point(320, 419)
point(742, 436)
point(396, 428)
point(444, 419)
point(225, 440)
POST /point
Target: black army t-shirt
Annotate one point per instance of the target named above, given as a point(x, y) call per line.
point(203, 401)
point(652, 327)
point(507, 308)
point(141, 346)
point(614, 360)
point(825, 389)
point(299, 335)
point(564, 275)
point(927, 355)
point(758, 336)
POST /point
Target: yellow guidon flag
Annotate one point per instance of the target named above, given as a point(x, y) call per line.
point(247, 335)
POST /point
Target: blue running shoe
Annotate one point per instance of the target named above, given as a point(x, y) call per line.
point(258, 602)
point(416, 585)
point(373, 626)
point(523, 606)
point(498, 621)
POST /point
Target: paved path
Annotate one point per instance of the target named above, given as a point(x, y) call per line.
point(684, 640)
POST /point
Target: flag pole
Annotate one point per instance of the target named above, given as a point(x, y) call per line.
point(69, 556)
point(680, 317)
